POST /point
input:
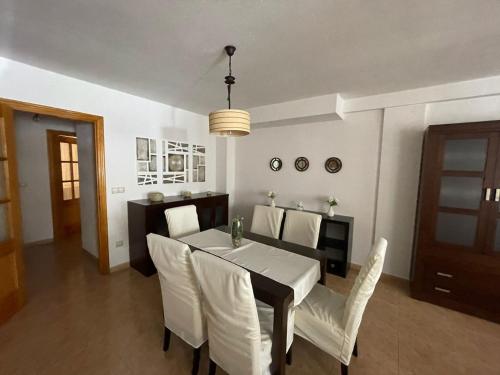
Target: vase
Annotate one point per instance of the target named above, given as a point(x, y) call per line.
point(273, 204)
point(330, 212)
point(237, 231)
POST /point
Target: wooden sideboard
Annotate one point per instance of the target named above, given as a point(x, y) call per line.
point(146, 217)
point(335, 238)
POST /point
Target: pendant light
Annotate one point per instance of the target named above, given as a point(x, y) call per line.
point(229, 122)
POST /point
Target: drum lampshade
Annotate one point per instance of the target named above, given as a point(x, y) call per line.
point(229, 122)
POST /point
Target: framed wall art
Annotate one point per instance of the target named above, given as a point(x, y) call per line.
point(275, 164)
point(199, 163)
point(301, 164)
point(333, 165)
point(175, 162)
point(146, 161)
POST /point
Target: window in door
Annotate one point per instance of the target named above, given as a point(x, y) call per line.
point(70, 178)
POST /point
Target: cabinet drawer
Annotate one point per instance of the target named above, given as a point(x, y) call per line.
point(462, 284)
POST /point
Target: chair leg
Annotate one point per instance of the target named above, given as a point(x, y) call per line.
point(166, 339)
point(355, 350)
point(289, 357)
point(344, 370)
point(196, 360)
point(212, 368)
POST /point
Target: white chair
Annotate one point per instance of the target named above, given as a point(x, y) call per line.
point(267, 221)
point(180, 292)
point(182, 221)
point(239, 332)
point(302, 228)
point(330, 320)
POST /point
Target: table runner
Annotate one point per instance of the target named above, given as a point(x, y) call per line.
point(298, 272)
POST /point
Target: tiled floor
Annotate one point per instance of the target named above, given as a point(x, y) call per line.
point(77, 321)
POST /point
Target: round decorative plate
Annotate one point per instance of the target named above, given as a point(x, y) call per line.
point(301, 164)
point(275, 164)
point(333, 165)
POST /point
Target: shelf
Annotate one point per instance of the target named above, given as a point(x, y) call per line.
point(335, 254)
point(332, 242)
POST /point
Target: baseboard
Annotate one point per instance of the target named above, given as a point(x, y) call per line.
point(40, 242)
point(119, 267)
point(384, 276)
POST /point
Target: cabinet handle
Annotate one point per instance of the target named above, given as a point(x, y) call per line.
point(448, 275)
point(442, 290)
point(487, 196)
point(497, 195)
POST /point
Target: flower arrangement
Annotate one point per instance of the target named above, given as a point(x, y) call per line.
point(332, 201)
point(300, 205)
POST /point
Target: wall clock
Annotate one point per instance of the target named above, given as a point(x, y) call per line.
point(301, 164)
point(275, 164)
point(333, 165)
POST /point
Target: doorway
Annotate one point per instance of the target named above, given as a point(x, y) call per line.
point(64, 175)
point(12, 288)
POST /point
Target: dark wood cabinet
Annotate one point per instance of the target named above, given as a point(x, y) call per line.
point(456, 258)
point(146, 217)
point(335, 239)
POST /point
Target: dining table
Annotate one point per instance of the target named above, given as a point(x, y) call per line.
point(282, 274)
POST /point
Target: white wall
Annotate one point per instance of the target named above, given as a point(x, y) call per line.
point(402, 135)
point(33, 169)
point(354, 140)
point(88, 191)
point(387, 128)
point(125, 117)
point(403, 130)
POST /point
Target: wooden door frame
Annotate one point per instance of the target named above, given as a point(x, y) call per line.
point(98, 126)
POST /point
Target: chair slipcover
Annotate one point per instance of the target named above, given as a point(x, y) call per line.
point(302, 228)
point(267, 221)
point(182, 221)
point(239, 328)
point(181, 295)
point(330, 320)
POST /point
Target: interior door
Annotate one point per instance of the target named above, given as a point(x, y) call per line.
point(65, 182)
point(467, 169)
point(11, 260)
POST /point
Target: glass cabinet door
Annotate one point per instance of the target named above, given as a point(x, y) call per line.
point(461, 182)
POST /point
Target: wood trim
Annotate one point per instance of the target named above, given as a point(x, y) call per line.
point(384, 276)
point(15, 201)
point(461, 173)
point(50, 111)
point(98, 125)
point(102, 210)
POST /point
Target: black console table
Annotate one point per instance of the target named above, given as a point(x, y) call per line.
point(146, 217)
point(335, 238)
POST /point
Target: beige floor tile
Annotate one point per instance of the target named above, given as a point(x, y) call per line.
point(79, 322)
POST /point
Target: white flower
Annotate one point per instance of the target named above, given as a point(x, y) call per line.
point(332, 201)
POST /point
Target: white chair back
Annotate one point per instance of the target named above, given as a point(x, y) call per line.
point(267, 221)
point(182, 221)
point(233, 323)
point(180, 291)
point(302, 228)
point(361, 292)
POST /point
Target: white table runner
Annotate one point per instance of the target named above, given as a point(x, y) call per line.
point(297, 271)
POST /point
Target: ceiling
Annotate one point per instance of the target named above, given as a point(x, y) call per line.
point(172, 51)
